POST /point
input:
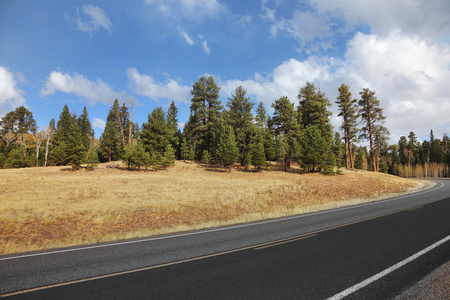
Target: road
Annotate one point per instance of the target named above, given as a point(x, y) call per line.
point(314, 256)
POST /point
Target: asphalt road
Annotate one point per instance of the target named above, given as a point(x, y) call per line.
point(313, 256)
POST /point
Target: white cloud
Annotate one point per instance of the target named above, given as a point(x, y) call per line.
point(205, 47)
point(420, 17)
point(145, 85)
point(186, 37)
point(410, 77)
point(94, 18)
point(11, 96)
point(188, 9)
point(98, 123)
point(77, 84)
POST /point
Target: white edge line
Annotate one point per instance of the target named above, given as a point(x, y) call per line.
point(374, 278)
point(216, 229)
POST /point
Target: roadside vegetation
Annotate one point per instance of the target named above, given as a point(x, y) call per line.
point(43, 208)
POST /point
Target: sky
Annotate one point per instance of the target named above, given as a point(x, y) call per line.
point(88, 53)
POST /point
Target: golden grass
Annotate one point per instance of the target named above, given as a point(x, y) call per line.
point(43, 208)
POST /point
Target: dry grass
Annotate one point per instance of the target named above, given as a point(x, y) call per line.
point(44, 208)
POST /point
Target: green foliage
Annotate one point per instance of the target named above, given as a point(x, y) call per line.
point(281, 147)
point(240, 117)
point(92, 159)
point(18, 121)
point(206, 158)
point(111, 141)
point(75, 151)
point(313, 148)
point(258, 157)
point(191, 154)
point(169, 157)
point(17, 158)
point(156, 133)
point(227, 151)
point(87, 133)
point(205, 111)
point(184, 149)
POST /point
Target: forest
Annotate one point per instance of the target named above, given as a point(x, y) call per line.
point(223, 135)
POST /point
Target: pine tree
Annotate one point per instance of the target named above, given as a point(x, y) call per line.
point(156, 134)
point(258, 157)
point(281, 147)
point(63, 126)
point(227, 151)
point(92, 158)
point(184, 150)
point(372, 118)
point(206, 158)
point(348, 112)
point(169, 156)
point(285, 123)
point(205, 111)
point(313, 110)
point(261, 117)
point(85, 126)
point(240, 117)
point(111, 145)
point(313, 149)
point(75, 151)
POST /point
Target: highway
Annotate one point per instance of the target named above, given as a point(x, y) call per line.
point(369, 251)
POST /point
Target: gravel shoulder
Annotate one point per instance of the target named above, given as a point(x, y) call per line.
point(435, 285)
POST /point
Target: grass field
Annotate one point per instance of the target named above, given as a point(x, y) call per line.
point(43, 208)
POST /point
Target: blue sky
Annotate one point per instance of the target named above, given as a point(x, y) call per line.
point(87, 53)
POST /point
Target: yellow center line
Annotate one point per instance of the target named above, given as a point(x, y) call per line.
point(284, 242)
point(254, 247)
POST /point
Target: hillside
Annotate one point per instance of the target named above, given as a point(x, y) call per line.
point(50, 207)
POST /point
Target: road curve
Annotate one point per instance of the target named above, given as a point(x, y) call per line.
point(300, 241)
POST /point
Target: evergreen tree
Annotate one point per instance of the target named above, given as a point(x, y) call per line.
point(184, 150)
point(111, 141)
point(269, 146)
point(63, 126)
point(348, 112)
point(169, 156)
point(227, 151)
point(372, 118)
point(205, 111)
point(284, 122)
point(281, 147)
point(172, 123)
point(127, 157)
point(17, 158)
point(313, 149)
point(261, 117)
point(18, 121)
point(240, 117)
point(85, 126)
point(258, 157)
point(313, 110)
point(206, 158)
point(92, 159)
point(75, 151)
point(156, 134)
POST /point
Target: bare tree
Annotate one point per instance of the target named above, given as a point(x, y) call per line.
point(38, 138)
point(48, 134)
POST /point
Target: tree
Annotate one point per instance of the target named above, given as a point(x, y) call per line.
point(172, 123)
point(313, 149)
point(281, 147)
point(17, 158)
point(63, 126)
point(184, 150)
point(205, 111)
point(240, 117)
point(261, 117)
point(111, 145)
point(38, 138)
point(284, 123)
point(348, 112)
point(372, 119)
point(206, 158)
point(313, 110)
point(75, 150)
point(92, 158)
point(258, 157)
point(227, 151)
point(169, 156)
point(156, 134)
point(18, 121)
point(87, 133)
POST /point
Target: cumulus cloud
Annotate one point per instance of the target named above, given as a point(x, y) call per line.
point(92, 18)
point(10, 95)
point(98, 123)
point(79, 85)
point(410, 77)
point(145, 85)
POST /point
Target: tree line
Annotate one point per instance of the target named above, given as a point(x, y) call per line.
point(222, 135)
